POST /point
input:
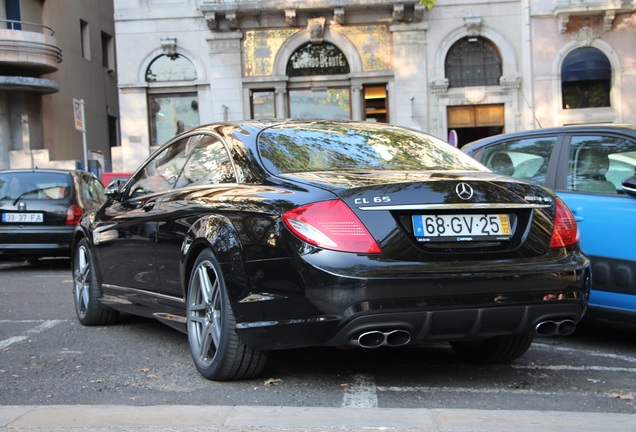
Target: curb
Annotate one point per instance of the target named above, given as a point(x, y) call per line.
point(249, 418)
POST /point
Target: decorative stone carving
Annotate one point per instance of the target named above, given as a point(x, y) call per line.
point(608, 20)
point(398, 12)
point(231, 19)
point(339, 16)
point(585, 36)
point(316, 28)
point(418, 12)
point(473, 25)
point(510, 82)
point(169, 46)
point(475, 95)
point(290, 17)
point(210, 19)
point(563, 23)
point(439, 86)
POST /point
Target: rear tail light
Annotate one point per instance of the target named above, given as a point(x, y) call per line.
point(566, 230)
point(331, 225)
point(73, 214)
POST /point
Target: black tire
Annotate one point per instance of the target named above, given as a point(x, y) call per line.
point(86, 291)
point(217, 351)
point(499, 349)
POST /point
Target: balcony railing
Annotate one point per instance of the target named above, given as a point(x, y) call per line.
point(26, 26)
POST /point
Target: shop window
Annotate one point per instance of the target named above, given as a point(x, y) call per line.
point(473, 61)
point(586, 76)
point(263, 104)
point(320, 102)
point(171, 114)
point(375, 106)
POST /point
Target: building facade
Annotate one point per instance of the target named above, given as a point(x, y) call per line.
point(461, 70)
point(53, 53)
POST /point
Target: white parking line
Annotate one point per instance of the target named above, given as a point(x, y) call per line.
point(574, 368)
point(44, 325)
point(586, 351)
point(362, 391)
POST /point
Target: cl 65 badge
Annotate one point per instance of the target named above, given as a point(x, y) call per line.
point(373, 200)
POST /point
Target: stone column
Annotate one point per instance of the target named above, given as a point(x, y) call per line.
point(357, 106)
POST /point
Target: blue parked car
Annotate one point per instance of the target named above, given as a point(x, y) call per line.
point(591, 167)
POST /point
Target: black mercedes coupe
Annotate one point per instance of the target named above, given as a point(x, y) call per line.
point(269, 235)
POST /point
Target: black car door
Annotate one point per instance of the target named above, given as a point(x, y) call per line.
point(208, 172)
point(128, 228)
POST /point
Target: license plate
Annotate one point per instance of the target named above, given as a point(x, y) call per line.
point(23, 217)
point(461, 227)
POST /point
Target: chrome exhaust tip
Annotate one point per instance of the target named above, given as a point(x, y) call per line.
point(566, 327)
point(546, 328)
point(371, 339)
point(377, 338)
point(550, 328)
point(397, 338)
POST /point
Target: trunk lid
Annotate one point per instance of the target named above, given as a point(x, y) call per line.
point(427, 216)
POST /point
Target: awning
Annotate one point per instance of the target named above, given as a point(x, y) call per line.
point(586, 64)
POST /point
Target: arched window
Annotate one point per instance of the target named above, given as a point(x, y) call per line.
point(173, 109)
point(331, 101)
point(473, 61)
point(171, 68)
point(586, 76)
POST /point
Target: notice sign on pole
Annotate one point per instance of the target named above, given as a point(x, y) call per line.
point(78, 112)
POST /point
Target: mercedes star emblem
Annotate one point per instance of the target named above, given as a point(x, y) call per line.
point(464, 191)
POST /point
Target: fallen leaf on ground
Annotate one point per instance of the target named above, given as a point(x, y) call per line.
point(272, 381)
point(623, 396)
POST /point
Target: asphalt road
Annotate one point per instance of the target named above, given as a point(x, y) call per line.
point(48, 359)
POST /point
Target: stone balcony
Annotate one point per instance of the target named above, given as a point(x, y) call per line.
point(26, 52)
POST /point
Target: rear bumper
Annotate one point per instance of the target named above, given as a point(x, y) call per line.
point(36, 241)
point(331, 310)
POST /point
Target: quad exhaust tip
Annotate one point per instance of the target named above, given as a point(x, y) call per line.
point(551, 328)
point(377, 338)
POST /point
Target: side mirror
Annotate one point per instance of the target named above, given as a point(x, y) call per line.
point(113, 190)
point(629, 186)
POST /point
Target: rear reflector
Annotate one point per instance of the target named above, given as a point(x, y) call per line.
point(331, 225)
point(566, 230)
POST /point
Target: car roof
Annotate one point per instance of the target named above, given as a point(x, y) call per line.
point(627, 129)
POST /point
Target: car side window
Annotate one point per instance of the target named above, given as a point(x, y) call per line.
point(93, 190)
point(209, 164)
point(161, 173)
point(525, 159)
point(599, 164)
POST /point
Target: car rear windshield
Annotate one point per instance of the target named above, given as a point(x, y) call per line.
point(329, 147)
point(34, 185)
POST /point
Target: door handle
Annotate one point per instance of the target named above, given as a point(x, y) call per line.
point(149, 206)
